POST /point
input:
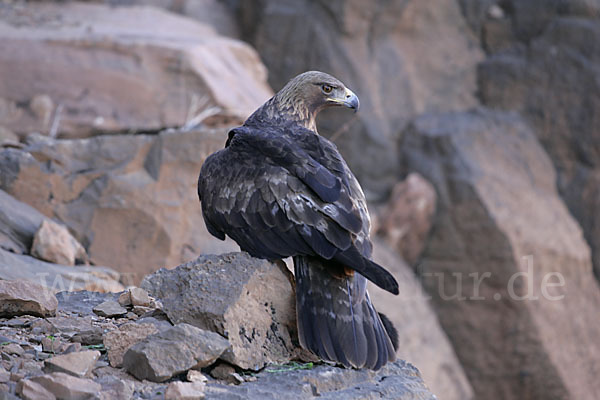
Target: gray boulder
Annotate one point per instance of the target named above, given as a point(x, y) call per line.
point(162, 355)
point(247, 300)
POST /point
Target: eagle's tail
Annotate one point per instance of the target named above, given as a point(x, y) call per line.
point(336, 319)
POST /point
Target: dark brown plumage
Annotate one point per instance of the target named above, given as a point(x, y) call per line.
point(281, 190)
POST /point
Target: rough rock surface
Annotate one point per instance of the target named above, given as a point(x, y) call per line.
point(83, 330)
point(402, 381)
point(19, 223)
point(53, 242)
point(400, 57)
point(247, 300)
point(130, 200)
point(117, 342)
point(406, 219)
point(163, 355)
point(422, 340)
point(22, 297)
point(209, 12)
point(24, 354)
point(57, 278)
point(548, 72)
point(152, 69)
point(507, 267)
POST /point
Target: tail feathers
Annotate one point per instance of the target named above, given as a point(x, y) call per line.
point(336, 319)
point(390, 329)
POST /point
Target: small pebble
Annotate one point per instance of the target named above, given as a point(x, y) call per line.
point(124, 299)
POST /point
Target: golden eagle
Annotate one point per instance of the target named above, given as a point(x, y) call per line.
point(281, 190)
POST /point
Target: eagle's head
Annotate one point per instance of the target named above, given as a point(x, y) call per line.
point(304, 96)
point(316, 90)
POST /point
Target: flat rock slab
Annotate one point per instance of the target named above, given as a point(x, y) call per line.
point(249, 301)
point(173, 351)
point(79, 364)
point(68, 387)
point(110, 309)
point(21, 297)
point(56, 277)
point(396, 381)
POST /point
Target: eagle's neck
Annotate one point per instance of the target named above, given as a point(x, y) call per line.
point(282, 108)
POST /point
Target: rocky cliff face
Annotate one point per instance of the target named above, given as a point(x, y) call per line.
point(476, 144)
point(151, 69)
point(512, 273)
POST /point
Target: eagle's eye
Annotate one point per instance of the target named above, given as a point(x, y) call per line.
point(327, 88)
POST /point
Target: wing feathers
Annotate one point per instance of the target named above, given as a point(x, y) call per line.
point(371, 270)
point(278, 196)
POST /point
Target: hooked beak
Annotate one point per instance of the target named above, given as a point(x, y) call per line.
point(348, 99)
point(351, 100)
